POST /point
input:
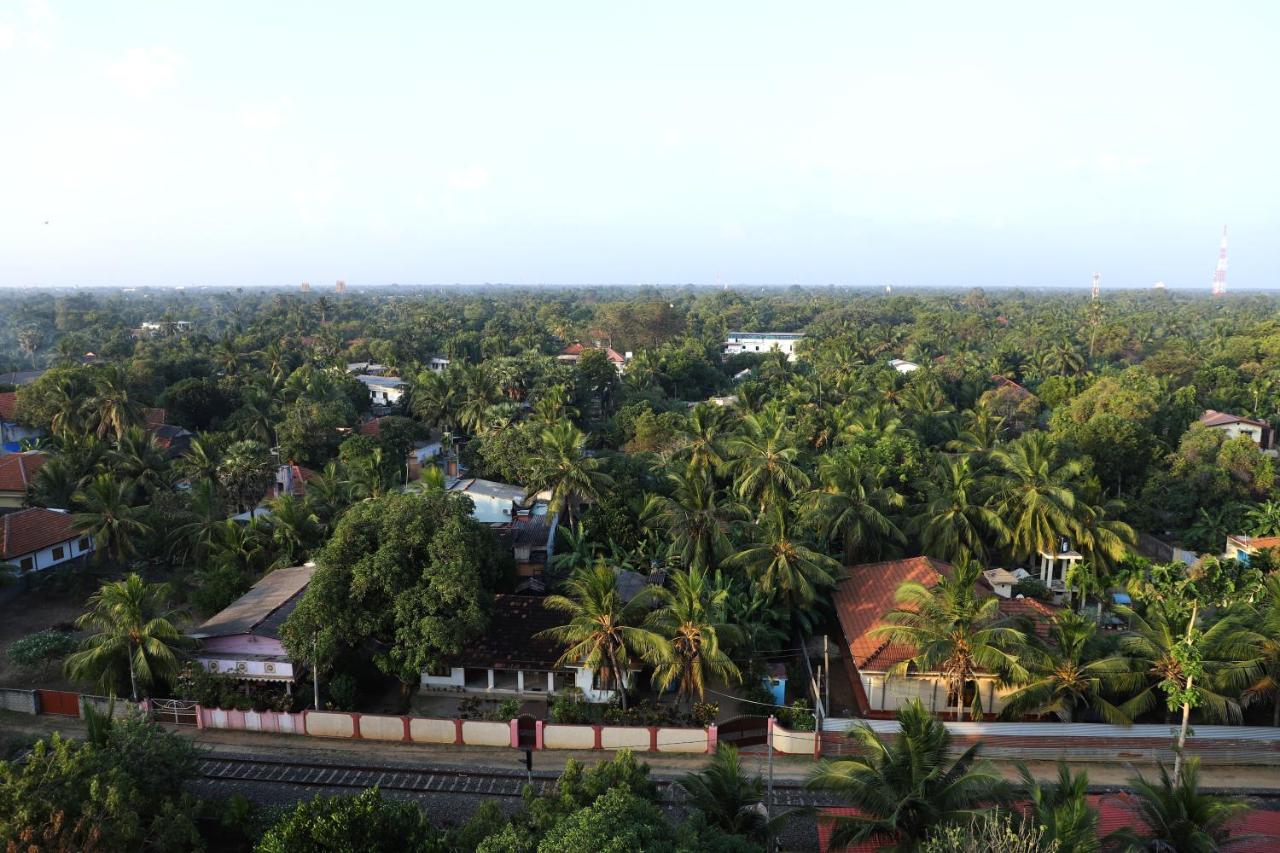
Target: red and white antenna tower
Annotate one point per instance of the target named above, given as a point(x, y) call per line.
point(1220, 272)
point(1097, 285)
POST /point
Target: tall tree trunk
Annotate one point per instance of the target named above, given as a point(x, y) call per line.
point(133, 679)
point(1186, 706)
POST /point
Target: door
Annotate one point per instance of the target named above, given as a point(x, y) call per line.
point(59, 702)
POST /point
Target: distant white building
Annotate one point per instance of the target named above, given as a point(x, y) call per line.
point(385, 390)
point(903, 366)
point(437, 364)
point(763, 342)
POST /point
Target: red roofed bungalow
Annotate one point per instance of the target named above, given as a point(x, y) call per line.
point(865, 597)
point(18, 476)
point(574, 351)
point(1260, 432)
point(37, 539)
point(8, 405)
point(1255, 831)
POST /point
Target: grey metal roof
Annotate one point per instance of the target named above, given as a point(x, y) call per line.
point(489, 488)
point(262, 610)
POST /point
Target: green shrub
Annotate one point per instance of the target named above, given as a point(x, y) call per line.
point(508, 709)
point(342, 690)
point(41, 648)
point(798, 717)
point(705, 713)
point(569, 708)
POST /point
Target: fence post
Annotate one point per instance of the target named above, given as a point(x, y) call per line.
point(537, 734)
point(711, 738)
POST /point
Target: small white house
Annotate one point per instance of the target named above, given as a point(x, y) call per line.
point(513, 659)
point(494, 502)
point(903, 366)
point(37, 539)
point(437, 364)
point(1258, 431)
point(763, 342)
point(385, 390)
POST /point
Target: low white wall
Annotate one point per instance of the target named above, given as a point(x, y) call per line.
point(793, 743)
point(621, 737)
point(422, 730)
point(326, 724)
point(478, 733)
point(556, 736)
point(374, 727)
point(682, 740)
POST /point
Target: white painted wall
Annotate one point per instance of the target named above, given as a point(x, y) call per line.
point(758, 343)
point(232, 667)
point(45, 559)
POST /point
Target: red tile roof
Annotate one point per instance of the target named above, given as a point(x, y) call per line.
point(372, 428)
point(1212, 418)
point(1255, 831)
point(1017, 390)
point(29, 530)
point(577, 349)
point(154, 417)
point(8, 404)
point(18, 470)
point(298, 479)
point(868, 593)
point(1260, 542)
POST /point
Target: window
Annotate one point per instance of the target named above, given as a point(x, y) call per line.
point(27, 564)
point(83, 544)
point(59, 553)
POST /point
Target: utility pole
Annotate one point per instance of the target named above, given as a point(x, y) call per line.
point(769, 809)
point(826, 671)
point(315, 667)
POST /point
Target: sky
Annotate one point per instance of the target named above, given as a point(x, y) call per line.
point(855, 143)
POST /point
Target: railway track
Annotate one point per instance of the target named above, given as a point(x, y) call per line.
point(488, 783)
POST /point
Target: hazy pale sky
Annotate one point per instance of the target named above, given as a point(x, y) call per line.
point(859, 143)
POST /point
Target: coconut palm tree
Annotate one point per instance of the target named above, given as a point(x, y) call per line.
point(954, 524)
point(905, 787)
point(295, 529)
point(852, 507)
point(955, 632)
point(695, 519)
point(245, 473)
point(1064, 675)
point(1100, 536)
point(690, 617)
point(763, 460)
point(1034, 494)
point(565, 471)
point(728, 798)
point(111, 407)
point(1177, 816)
point(200, 462)
point(1061, 811)
point(552, 406)
point(1264, 519)
point(110, 518)
point(191, 541)
point(1153, 643)
point(68, 408)
point(328, 493)
point(782, 563)
point(1258, 646)
point(604, 634)
point(137, 457)
point(132, 633)
point(702, 438)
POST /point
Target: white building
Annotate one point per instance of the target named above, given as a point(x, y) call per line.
point(37, 539)
point(763, 342)
point(495, 502)
point(513, 658)
point(436, 364)
point(385, 390)
point(1258, 431)
point(903, 366)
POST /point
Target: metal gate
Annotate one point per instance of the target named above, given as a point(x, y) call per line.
point(178, 711)
point(744, 731)
point(59, 702)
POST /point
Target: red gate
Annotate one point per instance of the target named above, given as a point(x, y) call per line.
point(744, 731)
point(59, 702)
